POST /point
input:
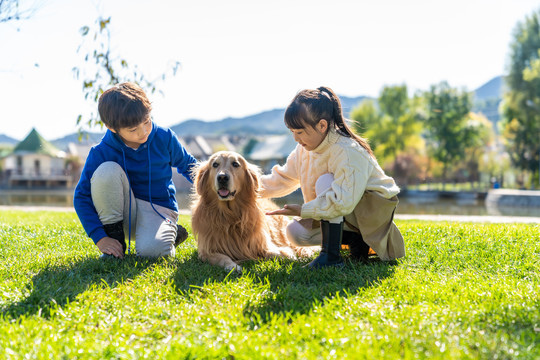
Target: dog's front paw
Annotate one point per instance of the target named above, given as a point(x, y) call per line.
point(281, 252)
point(237, 268)
point(288, 253)
point(274, 253)
point(307, 251)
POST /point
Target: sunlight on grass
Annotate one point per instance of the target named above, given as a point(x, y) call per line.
point(462, 291)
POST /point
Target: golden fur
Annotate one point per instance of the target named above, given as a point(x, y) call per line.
point(228, 216)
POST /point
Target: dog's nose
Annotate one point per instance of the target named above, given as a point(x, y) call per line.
point(222, 178)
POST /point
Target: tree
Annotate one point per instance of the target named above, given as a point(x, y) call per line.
point(449, 129)
point(102, 69)
point(391, 128)
point(521, 104)
point(476, 155)
point(11, 10)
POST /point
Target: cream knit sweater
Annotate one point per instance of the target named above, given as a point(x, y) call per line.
point(354, 170)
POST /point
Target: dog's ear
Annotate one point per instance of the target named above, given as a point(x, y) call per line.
point(254, 174)
point(201, 177)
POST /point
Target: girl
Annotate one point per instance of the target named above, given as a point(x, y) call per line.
point(343, 186)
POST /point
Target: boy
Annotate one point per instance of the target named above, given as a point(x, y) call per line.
point(126, 185)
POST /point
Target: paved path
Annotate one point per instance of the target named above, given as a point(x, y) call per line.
point(471, 218)
point(455, 218)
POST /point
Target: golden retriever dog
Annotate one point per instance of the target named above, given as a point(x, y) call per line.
point(228, 215)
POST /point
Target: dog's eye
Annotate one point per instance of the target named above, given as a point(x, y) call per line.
point(236, 164)
point(215, 165)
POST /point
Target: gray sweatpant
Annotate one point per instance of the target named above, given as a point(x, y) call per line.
point(154, 235)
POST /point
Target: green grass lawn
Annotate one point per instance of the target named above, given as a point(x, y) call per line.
point(464, 291)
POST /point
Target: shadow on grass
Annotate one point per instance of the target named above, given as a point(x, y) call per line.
point(58, 285)
point(193, 274)
point(285, 286)
point(296, 290)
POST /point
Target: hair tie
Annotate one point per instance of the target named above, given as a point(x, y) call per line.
point(325, 93)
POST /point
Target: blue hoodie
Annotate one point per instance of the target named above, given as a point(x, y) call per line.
point(162, 149)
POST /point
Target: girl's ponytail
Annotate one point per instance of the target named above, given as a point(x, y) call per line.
point(339, 119)
point(337, 113)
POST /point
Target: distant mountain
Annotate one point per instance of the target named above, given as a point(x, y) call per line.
point(487, 99)
point(4, 139)
point(493, 89)
point(264, 123)
point(86, 138)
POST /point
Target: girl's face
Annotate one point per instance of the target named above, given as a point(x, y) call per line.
point(310, 138)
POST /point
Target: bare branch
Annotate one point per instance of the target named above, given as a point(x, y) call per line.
point(12, 10)
point(100, 68)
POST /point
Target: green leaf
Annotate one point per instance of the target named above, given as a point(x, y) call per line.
point(84, 30)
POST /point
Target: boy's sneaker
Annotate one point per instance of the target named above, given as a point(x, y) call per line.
point(181, 235)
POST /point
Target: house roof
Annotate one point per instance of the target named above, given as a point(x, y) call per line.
point(35, 143)
point(196, 146)
point(203, 147)
point(273, 147)
point(79, 149)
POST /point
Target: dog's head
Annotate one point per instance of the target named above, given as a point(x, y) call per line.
point(227, 175)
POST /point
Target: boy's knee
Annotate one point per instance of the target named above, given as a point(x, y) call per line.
point(106, 173)
point(155, 236)
point(156, 250)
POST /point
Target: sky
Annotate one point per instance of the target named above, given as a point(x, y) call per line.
point(241, 57)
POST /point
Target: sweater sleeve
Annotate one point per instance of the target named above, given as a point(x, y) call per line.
point(351, 174)
point(283, 179)
point(82, 202)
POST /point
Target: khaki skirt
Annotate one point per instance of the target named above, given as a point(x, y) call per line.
point(373, 216)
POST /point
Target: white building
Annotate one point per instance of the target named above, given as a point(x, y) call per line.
point(35, 162)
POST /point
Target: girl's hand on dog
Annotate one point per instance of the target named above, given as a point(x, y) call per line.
point(111, 246)
point(288, 209)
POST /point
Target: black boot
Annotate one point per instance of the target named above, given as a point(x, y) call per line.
point(359, 249)
point(331, 245)
point(181, 235)
point(115, 231)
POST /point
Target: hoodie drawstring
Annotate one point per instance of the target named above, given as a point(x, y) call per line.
point(129, 219)
point(150, 188)
point(149, 195)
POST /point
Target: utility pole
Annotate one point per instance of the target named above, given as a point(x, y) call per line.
point(532, 105)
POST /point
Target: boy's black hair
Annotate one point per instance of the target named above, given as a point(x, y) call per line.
point(123, 106)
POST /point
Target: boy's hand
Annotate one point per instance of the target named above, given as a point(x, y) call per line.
point(289, 209)
point(111, 246)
